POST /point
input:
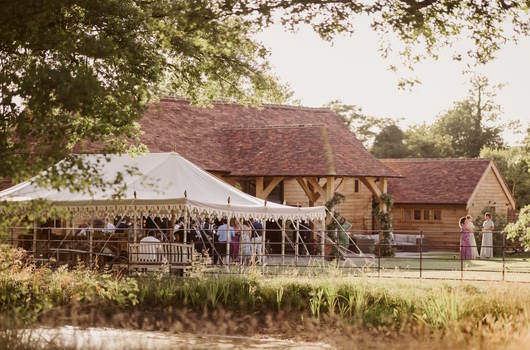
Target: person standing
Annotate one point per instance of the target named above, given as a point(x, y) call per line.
point(486, 250)
point(465, 243)
point(257, 232)
point(222, 236)
point(470, 227)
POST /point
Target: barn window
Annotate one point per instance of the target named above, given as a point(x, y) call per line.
point(437, 214)
point(356, 185)
point(426, 214)
point(407, 215)
point(417, 214)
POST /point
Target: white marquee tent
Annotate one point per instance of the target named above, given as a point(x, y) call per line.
point(161, 184)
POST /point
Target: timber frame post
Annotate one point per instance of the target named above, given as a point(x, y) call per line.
point(379, 188)
point(263, 191)
point(308, 190)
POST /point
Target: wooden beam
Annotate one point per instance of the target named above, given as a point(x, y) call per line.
point(274, 182)
point(230, 181)
point(308, 192)
point(330, 187)
point(314, 182)
point(378, 188)
point(259, 187)
point(372, 186)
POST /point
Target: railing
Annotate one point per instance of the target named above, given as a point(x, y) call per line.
point(281, 251)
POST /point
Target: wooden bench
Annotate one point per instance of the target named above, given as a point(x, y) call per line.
point(154, 256)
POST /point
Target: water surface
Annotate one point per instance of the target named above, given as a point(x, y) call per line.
point(125, 339)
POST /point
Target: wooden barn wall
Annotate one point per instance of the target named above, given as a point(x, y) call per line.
point(356, 208)
point(489, 193)
point(439, 234)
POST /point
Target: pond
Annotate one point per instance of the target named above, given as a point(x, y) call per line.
point(124, 339)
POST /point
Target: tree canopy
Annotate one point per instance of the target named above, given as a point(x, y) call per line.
point(85, 69)
point(514, 164)
point(363, 126)
point(73, 70)
point(462, 131)
point(390, 143)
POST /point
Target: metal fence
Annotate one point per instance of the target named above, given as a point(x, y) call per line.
point(277, 251)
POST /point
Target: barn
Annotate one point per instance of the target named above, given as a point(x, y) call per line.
point(434, 193)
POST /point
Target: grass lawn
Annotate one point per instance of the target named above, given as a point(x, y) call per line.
point(439, 265)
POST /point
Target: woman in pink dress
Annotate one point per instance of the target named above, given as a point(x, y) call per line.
point(465, 241)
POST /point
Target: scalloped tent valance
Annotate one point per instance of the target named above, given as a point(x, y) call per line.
point(158, 184)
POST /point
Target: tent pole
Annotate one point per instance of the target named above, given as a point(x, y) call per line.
point(172, 223)
point(296, 252)
point(91, 240)
point(240, 245)
point(186, 222)
point(141, 226)
point(135, 226)
point(264, 225)
point(323, 240)
point(228, 241)
point(283, 242)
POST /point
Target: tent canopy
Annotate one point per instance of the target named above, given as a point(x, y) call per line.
point(160, 184)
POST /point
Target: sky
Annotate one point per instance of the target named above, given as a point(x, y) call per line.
point(351, 69)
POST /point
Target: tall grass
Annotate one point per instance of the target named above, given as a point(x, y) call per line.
point(27, 292)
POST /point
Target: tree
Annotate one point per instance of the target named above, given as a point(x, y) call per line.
point(423, 26)
point(473, 123)
point(73, 70)
point(465, 129)
point(514, 164)
point(363, 126)
point(390, 143)
point(423, 142)
point(520, 230)
point(85, 70)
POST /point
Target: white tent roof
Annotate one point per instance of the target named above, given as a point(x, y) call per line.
point(158, 186)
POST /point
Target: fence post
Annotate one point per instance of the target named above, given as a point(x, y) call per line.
point(461, 262)
point(48, 244)
point(34, 246)
point(503, 253)
point(421, 254)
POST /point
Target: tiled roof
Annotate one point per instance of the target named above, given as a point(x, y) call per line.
point(266, 141)
point(435, 181)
